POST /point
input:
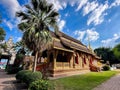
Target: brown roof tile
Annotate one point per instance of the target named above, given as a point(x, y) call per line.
point(69, 43)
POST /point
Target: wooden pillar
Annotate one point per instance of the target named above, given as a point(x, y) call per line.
point(54, 58)
point(80, 59)
point(73, 60)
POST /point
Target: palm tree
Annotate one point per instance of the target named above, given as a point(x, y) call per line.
point(2, 34)
point(36, 22)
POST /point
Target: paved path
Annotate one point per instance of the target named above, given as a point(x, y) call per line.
point(111, 84)
point(8, 82)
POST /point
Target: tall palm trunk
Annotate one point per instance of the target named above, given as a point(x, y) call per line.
point(35, 61)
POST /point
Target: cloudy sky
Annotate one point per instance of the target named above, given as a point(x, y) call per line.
point(98, 20)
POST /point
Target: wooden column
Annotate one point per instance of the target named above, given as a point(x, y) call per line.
point(73, 60)
point(54, 58)
point(80, 60)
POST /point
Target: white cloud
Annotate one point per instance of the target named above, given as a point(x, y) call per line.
point(61, 24)
point(61, 4)
point(89, 33)
point(109, 20)
point(111, 41)
point(67, 14)
point(11, 6)
point(80, 34)
point(89, 7)
point(115, 3)
point(19, 38)
point(97, 16)
point(58, 5)
point(9, 24)
point(92, 35)
point(81, 4)
point(96, 10)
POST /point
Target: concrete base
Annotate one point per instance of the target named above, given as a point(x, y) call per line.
point(66, 73)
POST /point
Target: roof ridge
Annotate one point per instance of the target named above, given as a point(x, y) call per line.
point(69, 37)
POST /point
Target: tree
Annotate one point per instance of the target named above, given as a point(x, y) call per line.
point(36, 22)
point(116, 51)
point(2, 37)
point(2, 32)
point(106, 54)
point(21, 48)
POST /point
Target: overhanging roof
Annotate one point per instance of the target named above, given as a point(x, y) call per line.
point(65, 42)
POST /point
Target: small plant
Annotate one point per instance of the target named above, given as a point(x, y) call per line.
point(106, 68)
point(39, 85)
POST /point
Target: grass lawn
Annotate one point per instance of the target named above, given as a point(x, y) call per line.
point(83, 82)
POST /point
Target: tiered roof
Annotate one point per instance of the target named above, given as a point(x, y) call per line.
point(64, 42)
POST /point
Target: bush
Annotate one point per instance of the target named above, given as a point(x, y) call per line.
point(39, 85)
point(31, 77)
point(22, 74)
point(28, 76)
point(106, 68)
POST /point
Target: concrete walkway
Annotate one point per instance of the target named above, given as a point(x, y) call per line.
point(111, 84)
point(8, 82)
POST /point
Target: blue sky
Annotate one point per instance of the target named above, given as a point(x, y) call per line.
point(98, 20)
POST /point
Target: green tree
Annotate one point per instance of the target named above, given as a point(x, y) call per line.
point(2, 37)
point(106, 54)
point(36, 22)
point(21, 48)
point(2, 34)
point(116, 51)
point(21, 52)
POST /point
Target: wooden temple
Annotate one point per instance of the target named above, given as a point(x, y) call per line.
point(67, 54)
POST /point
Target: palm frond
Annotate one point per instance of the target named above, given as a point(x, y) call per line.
point(23, 15)
point(23, 26)
point(30, 11)
point(35, 4)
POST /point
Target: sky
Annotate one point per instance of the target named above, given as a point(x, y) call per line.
point(94, 21)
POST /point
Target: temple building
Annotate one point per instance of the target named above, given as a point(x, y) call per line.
point(67, 54)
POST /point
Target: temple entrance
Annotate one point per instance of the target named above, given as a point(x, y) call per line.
point(8, 54)
point(4, 60)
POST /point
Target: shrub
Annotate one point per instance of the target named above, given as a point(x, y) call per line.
point(106, 68)
point(22, 74)
point(28, 76)
point(39, 85)
point(31, 77)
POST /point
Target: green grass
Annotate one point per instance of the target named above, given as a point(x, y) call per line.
point(83, 82)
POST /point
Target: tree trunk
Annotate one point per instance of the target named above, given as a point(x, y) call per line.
point(35, 61)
